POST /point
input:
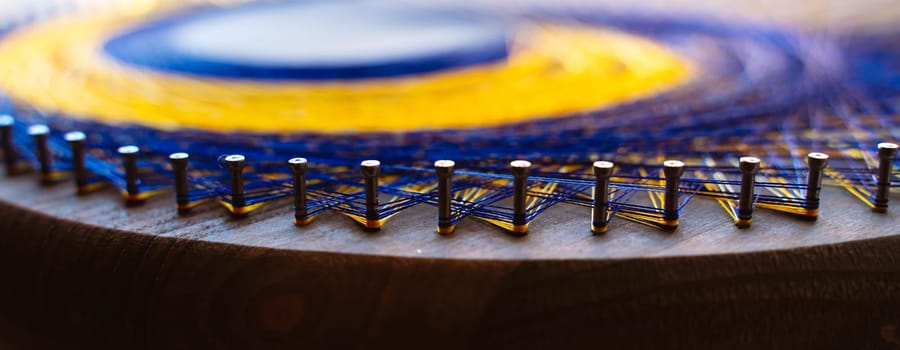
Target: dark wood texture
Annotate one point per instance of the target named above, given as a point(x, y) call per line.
point(87, 272)
point(563, 232)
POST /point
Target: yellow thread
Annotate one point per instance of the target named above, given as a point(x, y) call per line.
point(89, 188)
point(552, 70)
point(789, 209)
point(304, 222)
point(645, 219)
point(191, 205)
point(241, 210)
point(373, 224)
point(445, 230)
point(519, 229)
point(140, 196)
point(55, 176)
point(670, 223)
point(857, 191)
point(729, 208)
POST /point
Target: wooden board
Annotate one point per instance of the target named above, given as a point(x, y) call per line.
point(87, 272)
point(561, 233)
point(90, 272)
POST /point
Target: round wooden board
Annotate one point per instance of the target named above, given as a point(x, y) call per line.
point(89, 272)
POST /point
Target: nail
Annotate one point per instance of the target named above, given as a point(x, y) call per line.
point(301, 215)
point(371, 170)
point(39, 134)
point(886, 154)
point(129, 162)
point(10, 158)
point(673, 169)
point(76, 141)
point(600, 211)
point(444, 170)
point(817, 163)
point(520, 170)
point(235, 164)
point(749, 167)
point(179, 163)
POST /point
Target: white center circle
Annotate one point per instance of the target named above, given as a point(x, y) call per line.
point(336, 34)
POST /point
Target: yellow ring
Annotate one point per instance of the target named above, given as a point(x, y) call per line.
point(552, 70)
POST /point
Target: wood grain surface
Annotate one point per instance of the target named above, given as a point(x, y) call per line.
point(561, 233)
point(88, 272)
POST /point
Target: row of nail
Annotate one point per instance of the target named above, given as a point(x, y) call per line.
point(603, 172)
point(444, 169)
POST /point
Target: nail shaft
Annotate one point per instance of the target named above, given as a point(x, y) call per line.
point(817, 163)
point(887, 152)
point(749, 167)
point(298, 168)
point(444, 170)
point(10, 158)
point(179, 163)
point(40, 134)
point(235, 164)
point(673, 170)
point(370, 170)
point(520, 170)
point(600, 211)
point(129, 163)
point(76, 141)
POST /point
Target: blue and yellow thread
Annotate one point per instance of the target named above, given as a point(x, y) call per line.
point(553, 70)
point(793, 95)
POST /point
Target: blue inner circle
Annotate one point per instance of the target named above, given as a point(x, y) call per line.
point(312, 40)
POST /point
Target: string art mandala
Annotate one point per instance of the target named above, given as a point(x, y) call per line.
point(371, 108)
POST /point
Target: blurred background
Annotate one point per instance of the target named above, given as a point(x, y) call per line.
point(818, 14)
